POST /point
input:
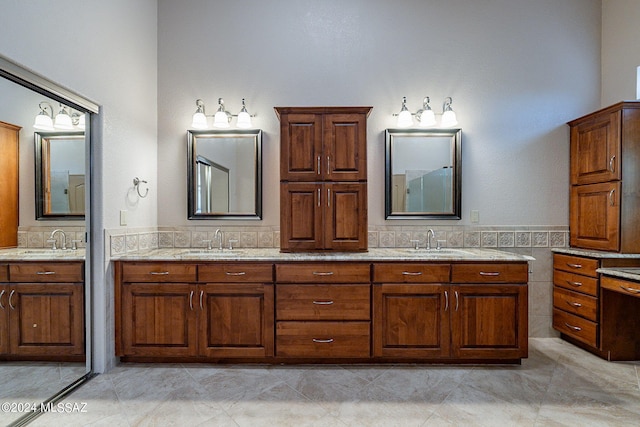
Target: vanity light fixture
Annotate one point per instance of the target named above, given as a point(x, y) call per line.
point(222, 118)
point(63, 120)
point(426, 116)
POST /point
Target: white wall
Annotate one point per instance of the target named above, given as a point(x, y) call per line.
point(106, 51)
point(620, 50)
point(517, 70)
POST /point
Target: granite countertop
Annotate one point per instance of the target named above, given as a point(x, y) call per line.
point(41, 254)
point(629, 273)
point(593, 254)
point(373, 254)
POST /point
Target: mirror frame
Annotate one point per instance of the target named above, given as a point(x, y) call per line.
point(456, 151)
point(39, 138)
point(192, 155)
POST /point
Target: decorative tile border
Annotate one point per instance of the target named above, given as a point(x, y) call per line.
point(37, 236)
point(122, 241)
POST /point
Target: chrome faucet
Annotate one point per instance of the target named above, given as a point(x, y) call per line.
point(63, 242)
point(430, 234)
point(218, 236)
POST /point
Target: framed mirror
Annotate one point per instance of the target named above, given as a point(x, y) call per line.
point(60, 175)
point(423, 174)
point(224, 174)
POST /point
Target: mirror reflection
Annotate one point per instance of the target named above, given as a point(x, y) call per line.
point(224, 174)
point(422, 173)
point(60, 179)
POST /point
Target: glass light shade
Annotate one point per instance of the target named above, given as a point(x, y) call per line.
point(404, 119)
point(63, 121)
point(43, 122)
point(244, 120)
point(427, 118)
point(199, 121)
point(221, 120)
point(449, 119)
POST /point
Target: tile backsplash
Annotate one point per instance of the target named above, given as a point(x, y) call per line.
point(37, 236)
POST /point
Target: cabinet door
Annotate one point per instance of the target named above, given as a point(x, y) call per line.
point(236, 320)
point(159, 319)
point(9, 136)
point(595, 150)
point(345, 226)
point(411, 321)
point(489, 321)
point(4, 319)
point(301, 147)
point(46, 319)
point(345, 147)
point(595, 216)
point(300, 216)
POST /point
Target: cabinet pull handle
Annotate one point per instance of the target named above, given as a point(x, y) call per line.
point(235, 273)
point(632, 290)
point(1, 295)
point(412, 273)
point(446, 300)
point(191, 300)
point(490, 273)
point(328, 165)
point(10, 298)
point(45, 273)
point(574, 265)
point(323, 273)
point(328, 197)
point(574, 304)
point(318, 197)
point(612, 165)
point(576, 284)
point(575, 328)
point(201, 295)
point(327, 341)
point(318, 165)
point(323, 302)
point(611, 201)
point(159, 273)
point(456, 293)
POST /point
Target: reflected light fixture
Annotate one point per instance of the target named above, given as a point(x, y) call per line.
point(63, 120)
point(222, 118)
point(449, 118)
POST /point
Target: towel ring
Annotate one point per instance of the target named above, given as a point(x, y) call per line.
point(136, 183)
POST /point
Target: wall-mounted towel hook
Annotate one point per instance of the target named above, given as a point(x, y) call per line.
point(136, 183)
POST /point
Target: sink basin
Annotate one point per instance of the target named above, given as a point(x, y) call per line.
point(448, 252)
point(202, 252)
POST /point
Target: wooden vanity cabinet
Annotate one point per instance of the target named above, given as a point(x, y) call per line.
point(605, 187)
point(479, 312)
point(190, 310)
point(42, 311)
point(323, 178)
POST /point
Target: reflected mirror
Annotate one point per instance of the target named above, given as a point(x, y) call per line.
point(224, 174)
point(423, 174)
point(60, 180)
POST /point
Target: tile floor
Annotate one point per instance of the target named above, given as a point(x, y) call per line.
point(558, 385)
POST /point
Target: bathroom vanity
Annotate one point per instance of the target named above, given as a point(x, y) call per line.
point(260, 305)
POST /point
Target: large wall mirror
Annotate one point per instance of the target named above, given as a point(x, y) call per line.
point(224, 174)
point(60, 175)
point(423, 174)
point(47, 374)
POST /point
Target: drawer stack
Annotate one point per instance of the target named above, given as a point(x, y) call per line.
point(323, 310)
point(575, 297)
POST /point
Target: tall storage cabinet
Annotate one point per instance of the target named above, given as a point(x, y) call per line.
point(605, 179)
point(9, 135)
point(323, 178)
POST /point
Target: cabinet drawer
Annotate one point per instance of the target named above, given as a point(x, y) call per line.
point(56, 272)
point(576, 303)
point(256, 273)
point(576, 264)
point(575, 327)
point(158, 272)
point(4, 272)
point(323, 339)
point(576, 282)
point(411, 273)
point(489, 273)
point(623, 286)
point(323, 273)
point(323, 302)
